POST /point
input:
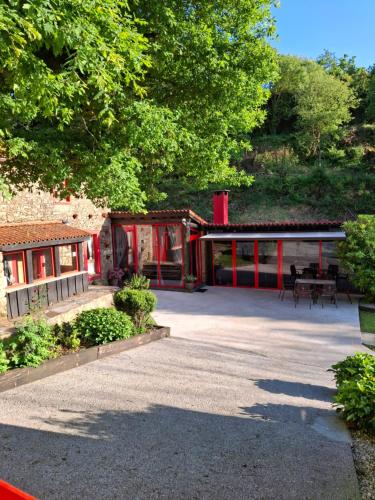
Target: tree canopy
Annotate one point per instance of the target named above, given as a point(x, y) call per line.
point(113, 96)
point(310, 102)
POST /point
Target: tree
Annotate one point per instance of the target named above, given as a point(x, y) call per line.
point(357, 77)
point(370, 108)
point(357, 253)
point(114, 96)
point(309, 102)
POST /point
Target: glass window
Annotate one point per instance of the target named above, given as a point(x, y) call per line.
point(148, 252)
point(299, 256)
point(245, 263)
point(68, 258)
point(170, 244)
point(330, 260)
point(42, 263)
point(223, 267)
point(14, 269)
point(267, 264)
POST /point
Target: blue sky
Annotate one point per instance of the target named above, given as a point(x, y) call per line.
point(307, 27)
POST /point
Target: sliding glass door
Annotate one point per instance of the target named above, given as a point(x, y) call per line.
point(253, 264)
point(245, 263)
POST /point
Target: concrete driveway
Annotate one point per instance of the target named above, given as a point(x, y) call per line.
point(236, 404)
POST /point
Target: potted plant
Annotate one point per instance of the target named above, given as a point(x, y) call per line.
point(190, 280)
point(115, 276)
point(357, 254)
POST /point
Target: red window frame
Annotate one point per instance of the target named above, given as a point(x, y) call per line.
point(256, 264)
point(39, 251)
point(127, 229)
point(77, 259)
point(15, 267)
point(156, 241)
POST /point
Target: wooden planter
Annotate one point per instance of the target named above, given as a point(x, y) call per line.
point(367, 323)
point(21, 376)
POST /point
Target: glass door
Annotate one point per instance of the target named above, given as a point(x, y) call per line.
point(223, 263)
point(245, 263)
point(268, 264)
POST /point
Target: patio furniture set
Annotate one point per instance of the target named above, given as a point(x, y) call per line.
point(312, 284)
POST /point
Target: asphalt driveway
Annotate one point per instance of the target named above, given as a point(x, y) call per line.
point(236, 404)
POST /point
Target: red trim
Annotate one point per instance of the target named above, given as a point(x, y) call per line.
point(39, 253)
point(15, 266)
point(279, 264)
point(97, 253)
point(9, 492)
point(234, 263)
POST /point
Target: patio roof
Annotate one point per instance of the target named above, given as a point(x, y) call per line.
point(308, 235)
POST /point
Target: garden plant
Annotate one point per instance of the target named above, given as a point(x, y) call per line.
point(139, 304)
point(355, 399)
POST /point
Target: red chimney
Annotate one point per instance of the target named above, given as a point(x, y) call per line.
point(221, 207)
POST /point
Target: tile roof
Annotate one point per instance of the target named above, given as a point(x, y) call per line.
point(278, 224)
point(35, 232)
point(159, 214)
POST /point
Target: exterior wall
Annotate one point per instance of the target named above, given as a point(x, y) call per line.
point(28, 206)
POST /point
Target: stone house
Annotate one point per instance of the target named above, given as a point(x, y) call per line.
point(50, 249)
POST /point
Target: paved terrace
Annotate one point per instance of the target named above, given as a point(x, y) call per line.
point(236, 404)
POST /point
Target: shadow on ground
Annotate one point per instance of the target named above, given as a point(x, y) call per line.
point(167, 452)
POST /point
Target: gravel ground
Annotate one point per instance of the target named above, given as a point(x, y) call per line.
point(364, 459)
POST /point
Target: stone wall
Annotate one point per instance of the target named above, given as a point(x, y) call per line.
point(37, 205)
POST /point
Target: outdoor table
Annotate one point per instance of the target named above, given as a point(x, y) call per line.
point(314, 282)
point(311, 281)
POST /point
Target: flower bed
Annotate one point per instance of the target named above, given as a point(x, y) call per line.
point(20, 376)
point(38, 350)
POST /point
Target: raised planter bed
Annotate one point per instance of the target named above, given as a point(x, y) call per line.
point(20, 376)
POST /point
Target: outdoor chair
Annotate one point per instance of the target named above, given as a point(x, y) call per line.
point(307, 273)
point(314, 266)
point(302, 290)
point(329, 292)
point(288, 284)
point(293, 271)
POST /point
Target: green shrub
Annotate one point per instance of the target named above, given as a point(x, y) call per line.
point(138, 282)
point(139, 304)
point(32, 344)
point(4, 363)
point(357, 366)
point(67, 336)
point(103, 325)
point(357, 253)
point(355, 399)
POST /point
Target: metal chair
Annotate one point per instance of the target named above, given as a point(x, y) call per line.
point(288, 284)
point(308, 273)
point(329, 292)
point(302, 290)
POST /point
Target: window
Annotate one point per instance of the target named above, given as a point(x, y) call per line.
point(42, 263)
point(223, 265)
point(14, 269)
point(68, 258)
